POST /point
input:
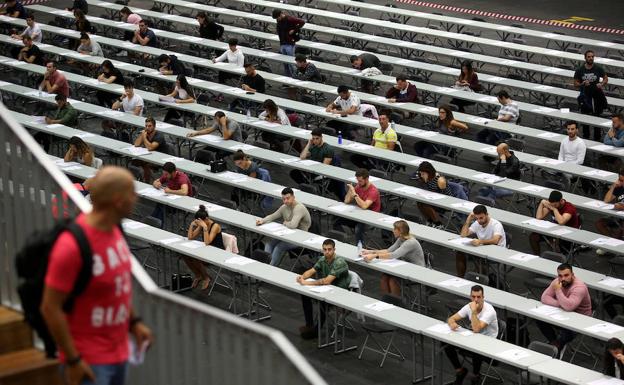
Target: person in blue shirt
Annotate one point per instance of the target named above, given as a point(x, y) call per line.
point(15, 8)
point(615, 135)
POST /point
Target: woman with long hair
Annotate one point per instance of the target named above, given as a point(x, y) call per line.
point(272, 113)
point(80, 152)
point(110, 75)
point(467, 81)
point(447, 125)
point(431, 180)
point(182, 93)
point(210, 232)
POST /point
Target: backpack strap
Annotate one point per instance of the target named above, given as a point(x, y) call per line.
point(84, 276)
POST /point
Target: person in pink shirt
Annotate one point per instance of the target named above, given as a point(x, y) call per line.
point(570, 294)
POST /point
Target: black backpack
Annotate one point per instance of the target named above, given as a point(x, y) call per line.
point(32, 264)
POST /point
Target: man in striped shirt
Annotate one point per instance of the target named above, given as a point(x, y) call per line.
point(509, 112)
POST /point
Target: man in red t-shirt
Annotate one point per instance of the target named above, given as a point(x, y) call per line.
point(54, 82)
point(558, 210)
point(174, 181)
point(93, 337)
point(366, 196)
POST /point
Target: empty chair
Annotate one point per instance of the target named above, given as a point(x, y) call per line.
point(502, 332)
point(230, 204)
point(554, 256)
point(481, 279)
point(543, 348)
point(309, 188)
point(618, 320)
point(375, 329)
point(337, 235)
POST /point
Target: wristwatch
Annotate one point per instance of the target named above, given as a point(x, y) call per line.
point(74, 361)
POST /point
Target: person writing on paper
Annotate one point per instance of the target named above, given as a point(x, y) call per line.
point(173, 181)
point(251, 82)
point(233, 56)
point(558, 210)
point(347, 103)
point(294, 215)
point(447, 125)
point(274, 114)
point(508, 166)
point(402, 92)
point(65, 114)
point(366, 196)
point(509, 112)
point(182, 93)
point(79, 152)
point(483, 320)
point(570, 294)
point(609, 226)
point(468, 81)
point(244, 165)
point(129, 101)
point(228, 128)
point(406, 248)
point(432, 181)
point(94, 347)
point(109, 75)
point(330, 269)
point(488, 231)
point(54, 82)
point(208, 27)
point(170, 65)
point(614, 359)
point(210, 232)
point(152, 140)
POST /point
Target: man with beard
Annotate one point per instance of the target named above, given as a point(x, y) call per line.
point(591, 79)
point(570, 294)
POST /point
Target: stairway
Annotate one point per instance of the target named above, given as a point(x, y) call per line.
point(20, 362)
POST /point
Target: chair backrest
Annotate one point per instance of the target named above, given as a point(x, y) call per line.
point(262, 144)
point(261, 256)
point(369, 110)
point(487, 201)
point(502, 329)
point(263, 174)
point(618, 320)
point(97, 163)
point(556, 185)
point(309, 188)
point(152, 221)
point(458, 190)
point(442, 158)
point(230, 204)
point(554, 256)
point(398, 147)
point(337, 235)
point(508, 239)
point(544, 348)
point(230, 242)
point(356, 283)
point(392, 299)
point(378, 173)
point(478, 278)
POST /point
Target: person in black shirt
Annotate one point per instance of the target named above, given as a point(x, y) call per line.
point(208, 28)
point(251, 82)
point(81, 5)
point(82, 24)
point(30, 53)
point(14, 8)
point(109, 75)
point(508, 166)
point(590, 79)
point(170, 65)
point(362, 62)
point(615, 195)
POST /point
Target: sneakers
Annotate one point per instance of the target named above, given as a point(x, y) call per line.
point(459, 376)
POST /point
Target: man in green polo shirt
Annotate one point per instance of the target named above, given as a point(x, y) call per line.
point(65, 115)
point(329, 270)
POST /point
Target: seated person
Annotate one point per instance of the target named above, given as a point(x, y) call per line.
point(153, 140)
point(362, 62)
point(557, 210)
point(228, 128)
point(347, 103)
point(294, 215)
point(274, 114)
point(89, 46)
point(170, 65)
point(304, 71)
point(406, 247)
point(208, 28)
point(610, 226)
point(402, 92)
point(14, 8)
point(244, 165)
point(447, 125)
point(488, 231)
point(431, 180)
point(508, 166)
point(319, 151)
point(366, 196)
point(65, 115)
point(129, 102)
point(172, 182)
point(251, 82)
point(614, 359)
point(109, 75)
point(182, 93)
point(466, 81)
point(54, 82)
point(615, 135)
point(29, 53)
point(385, 138)
point(80, 152)
point(210, 232)
point(32, 30)
point(509, 112)
point(233, 56)
point(329, 270)
point(569, 293)
point(81, 5)
point(145, 36)
point(127, 16)
point(483, 320)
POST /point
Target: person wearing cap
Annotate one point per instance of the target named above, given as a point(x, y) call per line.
point(558, 210)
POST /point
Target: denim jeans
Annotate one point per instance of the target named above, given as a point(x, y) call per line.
point(112, 374)
point(277, 249)
point(494, 192)
point(287, 49)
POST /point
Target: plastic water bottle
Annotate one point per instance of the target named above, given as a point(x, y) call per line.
point(339, 137)
point(359, 248)
point(392, 125)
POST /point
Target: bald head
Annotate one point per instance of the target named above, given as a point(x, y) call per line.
point(112, 189)
point(502, 149)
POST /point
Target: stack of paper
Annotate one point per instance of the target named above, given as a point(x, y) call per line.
point(321, 289)
point(209, 138)
point(173, 159)
point(342, 208)
point(599, 173)
point(599, 205)
point(464, 205)
point(192, 244)
point(129, 224)
point(552, 162)
point(612, 282)
point(523, 257)
point(533, 188)
point(540, 223)
point(242, 147)
point(136, 151)
point(151, 192)
point(379, 306)
point(489, 178)
point(455, 282)
point(605, 327)
point(546, 310)
point(607, 242)
point(442, 328)
point(392, 262)
point(240, 261)
point(461, 241)
point(166, 99)
point(168, 241)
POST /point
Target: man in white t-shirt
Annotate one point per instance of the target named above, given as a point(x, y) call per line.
point(572, 149)
point(488, 231)
point(348, 102)
point(33, 30)
point(483, 320)
point(129, 102)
